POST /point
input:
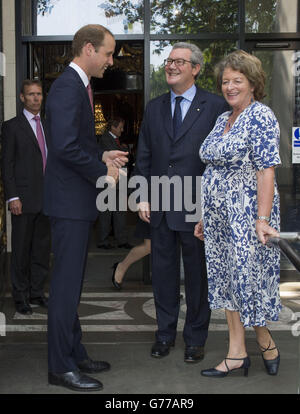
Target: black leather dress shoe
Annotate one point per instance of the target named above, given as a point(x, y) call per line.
point(161, 349)
point(23, 307)
point(193, 353)
point(125, 246)
point(75, 381)
point(41, 301)
point(89, 366)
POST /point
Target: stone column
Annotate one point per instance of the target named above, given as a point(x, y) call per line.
point(9, 80)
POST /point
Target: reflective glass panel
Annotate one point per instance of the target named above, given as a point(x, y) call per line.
point(271, 16)
point(283, 91)
point(194, 16)
point(213, 52)
point(65, 17)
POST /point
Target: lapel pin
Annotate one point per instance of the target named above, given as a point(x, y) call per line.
point(198, 109)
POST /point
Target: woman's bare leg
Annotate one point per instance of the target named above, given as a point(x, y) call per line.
point(237, 344)
point(135, 254)
point(265, 341)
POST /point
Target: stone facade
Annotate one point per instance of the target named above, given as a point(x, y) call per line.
point(2, 201)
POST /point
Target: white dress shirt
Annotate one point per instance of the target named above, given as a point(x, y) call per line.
point(81, 73)
point(185, 104)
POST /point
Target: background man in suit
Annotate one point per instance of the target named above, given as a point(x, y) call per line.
point(110, 140)
point(24, 151)
point(174, 126)
point(74, 165)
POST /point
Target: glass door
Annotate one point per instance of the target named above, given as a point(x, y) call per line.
point(281, 63)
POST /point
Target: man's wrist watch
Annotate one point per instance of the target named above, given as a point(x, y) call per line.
point(263, 218)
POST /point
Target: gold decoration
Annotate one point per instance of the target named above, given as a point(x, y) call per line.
point(100, 121)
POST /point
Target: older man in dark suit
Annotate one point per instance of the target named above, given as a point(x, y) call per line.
point(110, 140)
point(174, 126)
point(74, 165)
point(24, 153)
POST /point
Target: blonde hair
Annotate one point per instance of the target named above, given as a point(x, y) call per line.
point(247, 64)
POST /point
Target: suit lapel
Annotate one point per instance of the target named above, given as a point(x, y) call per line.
point(24, 124)
point(195, 110)
point(84, 91)
point(47, 139)
point(112, 141)
point(167, 115)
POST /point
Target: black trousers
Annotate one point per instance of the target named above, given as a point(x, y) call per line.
point(118, 220)
point(30, 239)
point(165, 257)
point(70, 247)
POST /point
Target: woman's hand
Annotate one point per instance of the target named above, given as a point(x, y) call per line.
point(264, 231)
point(199, 230)
point(144, 211)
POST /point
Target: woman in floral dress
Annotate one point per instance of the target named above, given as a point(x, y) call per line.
point(240, 211)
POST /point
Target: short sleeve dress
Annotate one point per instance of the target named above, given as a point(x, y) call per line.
point(243, 274)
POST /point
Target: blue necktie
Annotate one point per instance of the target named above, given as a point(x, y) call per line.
point(177, 117)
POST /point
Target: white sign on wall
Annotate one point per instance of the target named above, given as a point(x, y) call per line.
point(296, 145)
point(2, 64)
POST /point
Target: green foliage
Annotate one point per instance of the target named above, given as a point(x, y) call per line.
point(260, 16)
point(193, 16)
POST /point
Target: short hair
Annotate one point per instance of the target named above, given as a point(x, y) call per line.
point(91, 33)
point(115, 121)
point(29, 82)
point(196, 55)
point(248, 65)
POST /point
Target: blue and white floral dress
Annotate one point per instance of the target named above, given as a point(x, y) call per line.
point(243, 274)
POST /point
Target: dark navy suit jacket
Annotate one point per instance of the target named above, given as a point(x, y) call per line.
point(74, 160)
point(160, 154)
point(22, 164)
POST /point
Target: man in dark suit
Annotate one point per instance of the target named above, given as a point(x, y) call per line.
point(24, 152)
point(110, 140)
point(74, 165)
point(174, 126)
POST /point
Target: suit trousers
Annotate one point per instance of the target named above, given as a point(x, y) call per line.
point(30, 239)
point(70, 247)
point(165, 258)
point(118, 220)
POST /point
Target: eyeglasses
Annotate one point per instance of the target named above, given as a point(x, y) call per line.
point(177, 62)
